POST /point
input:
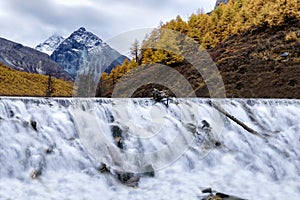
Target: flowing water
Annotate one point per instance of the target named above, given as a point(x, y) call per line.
point(190, 145)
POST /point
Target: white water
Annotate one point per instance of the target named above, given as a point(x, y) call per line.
point(79, 131)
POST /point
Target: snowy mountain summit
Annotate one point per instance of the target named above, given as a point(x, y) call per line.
point(84, 50)
point(50, 44)
point(82, 39)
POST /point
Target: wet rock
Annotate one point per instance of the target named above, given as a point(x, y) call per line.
point(218, 195)
point(191, 127)
point(25, 123)
point(250, 102)
point(111, 119)
point(103, 168)
point(158, 95)
point(116, 131)
point(49, 150)
point(222, 195)
point(212, 197)
point(11, 113)
point(148, 170)
point(71, 139)
point(36, 173)
point(128, 178)
point(207, 190)
point(117, 135)
point(119, 142)
point(218, 143)
point(38, 164)
point(205, 125)
point(33, 124)
point(161, 96)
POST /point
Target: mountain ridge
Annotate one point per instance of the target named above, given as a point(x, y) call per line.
point(83, 49)
point(50, 44)
point(27, 59)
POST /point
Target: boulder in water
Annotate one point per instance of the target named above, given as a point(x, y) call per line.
point(207, 190)
point(49, 150)
point(218, 195)
point(161, 96)
point(33, 124)
point(116, 131)
point(36, 173)
point(148, 170)
point(119, 142)
point(128, 178)
point(158, 95)
point(103, 168)
point(11, 113)
point(205, 125)
point(117, 135)
point(218, 143)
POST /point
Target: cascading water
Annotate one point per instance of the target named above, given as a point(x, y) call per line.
point(52, 148)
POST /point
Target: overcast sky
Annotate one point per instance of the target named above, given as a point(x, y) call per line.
point(32, 21)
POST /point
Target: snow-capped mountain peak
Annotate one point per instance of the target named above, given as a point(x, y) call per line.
point(82, 39)
point(49, 45)
point(81, 49)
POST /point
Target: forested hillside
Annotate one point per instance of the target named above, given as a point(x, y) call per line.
point(243, 37)
point(16, 83)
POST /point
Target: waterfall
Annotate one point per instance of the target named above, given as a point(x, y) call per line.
point(54, 148)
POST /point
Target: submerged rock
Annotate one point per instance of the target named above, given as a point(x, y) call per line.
point(129, 179)
point(207, 190)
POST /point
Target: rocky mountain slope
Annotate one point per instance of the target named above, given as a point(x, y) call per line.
point(261, 62)
point(84, 50)
point(30, 60)
point(49, 45)
point(255, 45)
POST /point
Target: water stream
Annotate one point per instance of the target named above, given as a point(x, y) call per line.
point(189, 144)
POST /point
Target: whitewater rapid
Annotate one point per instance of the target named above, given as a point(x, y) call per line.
point(68, 139)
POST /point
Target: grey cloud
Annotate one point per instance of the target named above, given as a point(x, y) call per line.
point(54, 14)
point(32, 20)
